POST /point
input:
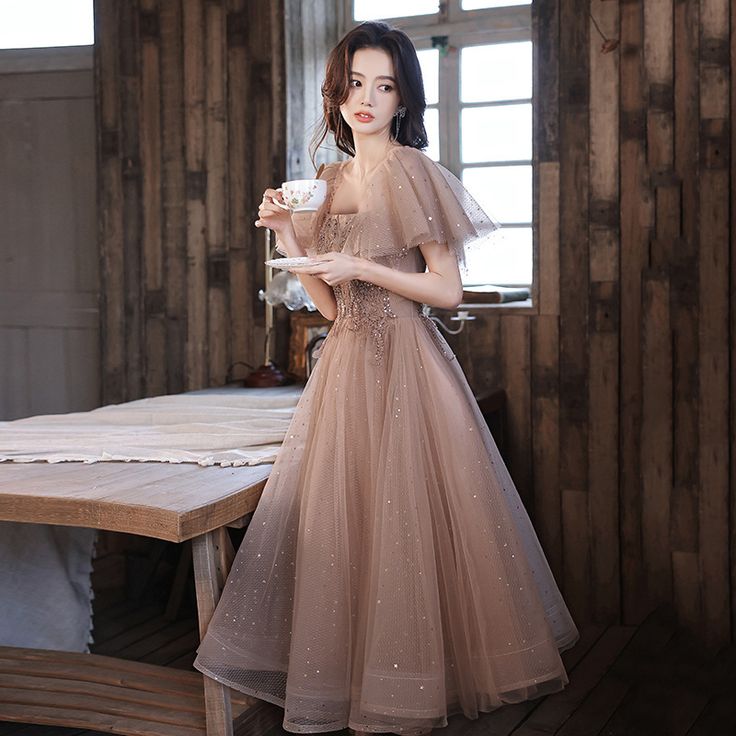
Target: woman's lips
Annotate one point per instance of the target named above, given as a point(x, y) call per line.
point(364, 117)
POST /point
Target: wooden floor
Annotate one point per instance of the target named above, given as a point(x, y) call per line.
point(624, 681)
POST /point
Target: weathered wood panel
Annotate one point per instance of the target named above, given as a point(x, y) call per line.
point(713, 349)
point(131, 203)
point(216, 201)
point(173, 194)
point(636, 217)
point(684, 299)
point(603, 329)
point(182, 174)
point(656, 435)
point(633, 390)
point(154, 325)
point(516, 349)
point(49, 287)
point(574, 274)
point(194, 143)
point(244, 278)
point(620, 380)
point(545, 400)
point(732, 332)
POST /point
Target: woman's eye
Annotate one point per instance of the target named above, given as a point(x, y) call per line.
point(386, 87)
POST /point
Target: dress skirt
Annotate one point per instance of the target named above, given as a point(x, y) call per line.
point(390, 576)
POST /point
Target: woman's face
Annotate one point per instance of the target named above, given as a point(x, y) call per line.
point(373, 93)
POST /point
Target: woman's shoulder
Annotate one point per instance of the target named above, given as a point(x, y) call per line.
point(409, 152)
point(406, 153)
point(411, 158)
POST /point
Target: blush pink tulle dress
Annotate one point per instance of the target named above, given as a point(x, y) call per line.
point(390, 576)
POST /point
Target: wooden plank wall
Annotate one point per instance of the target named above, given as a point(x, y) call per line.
point(191, 120)
point(622, 380)
point(311, 31)
point(49, 332)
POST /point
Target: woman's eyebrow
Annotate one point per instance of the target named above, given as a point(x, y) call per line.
point(382, 76)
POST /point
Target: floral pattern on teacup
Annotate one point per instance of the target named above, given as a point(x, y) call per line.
point(298, 198)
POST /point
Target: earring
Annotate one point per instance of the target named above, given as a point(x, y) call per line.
point(399, 114)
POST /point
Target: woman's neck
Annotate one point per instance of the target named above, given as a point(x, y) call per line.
point(369, 153)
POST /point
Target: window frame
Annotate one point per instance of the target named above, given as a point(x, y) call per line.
point(468, 28)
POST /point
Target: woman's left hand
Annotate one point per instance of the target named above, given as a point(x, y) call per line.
point(333, 268)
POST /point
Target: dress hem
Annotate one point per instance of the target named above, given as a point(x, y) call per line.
point(451, 709)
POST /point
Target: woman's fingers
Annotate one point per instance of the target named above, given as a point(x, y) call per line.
point(275, 196)
point(271, 204)
point(267, 212)
point(278, 200)
point(272, 208)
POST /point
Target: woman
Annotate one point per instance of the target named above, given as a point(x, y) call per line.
point(390, 576)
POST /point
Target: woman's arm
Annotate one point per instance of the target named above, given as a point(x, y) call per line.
point(441, 286)
point(279, 220)
point(320, 292)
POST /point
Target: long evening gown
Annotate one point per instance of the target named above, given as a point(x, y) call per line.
point(390, 575)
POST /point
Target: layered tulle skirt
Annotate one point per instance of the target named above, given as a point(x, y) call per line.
point(390, 575)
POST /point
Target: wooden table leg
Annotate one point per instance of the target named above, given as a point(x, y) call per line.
point(212, 554)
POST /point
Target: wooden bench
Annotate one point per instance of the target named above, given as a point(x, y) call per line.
point(103, 693)
point(160, 500)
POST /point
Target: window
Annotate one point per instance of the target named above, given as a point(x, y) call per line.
point(476, 58)
point(42, 23)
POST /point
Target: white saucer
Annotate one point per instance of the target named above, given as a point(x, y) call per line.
point(287, 263)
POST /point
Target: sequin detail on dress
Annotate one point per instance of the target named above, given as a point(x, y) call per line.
point(434, 333)
point(390, 576)
point(361, 305)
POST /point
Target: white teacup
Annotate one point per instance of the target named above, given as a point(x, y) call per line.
point(304, 195)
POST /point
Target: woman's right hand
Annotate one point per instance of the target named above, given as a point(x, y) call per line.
point(277, 217)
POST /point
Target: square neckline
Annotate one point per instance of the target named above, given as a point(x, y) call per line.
point(338, 180)
point(335, 185)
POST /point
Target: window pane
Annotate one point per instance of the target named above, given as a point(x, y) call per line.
point(432, 126)
point(499, 133)
point(506, 260)
point(504, 191)
point(429, 61)
point(498, 71)
point(378, 9)
point(475, 4)
point(40, 23)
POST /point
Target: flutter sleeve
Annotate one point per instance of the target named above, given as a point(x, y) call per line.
point(415, 200)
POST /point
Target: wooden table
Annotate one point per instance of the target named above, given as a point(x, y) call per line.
point(161, 500)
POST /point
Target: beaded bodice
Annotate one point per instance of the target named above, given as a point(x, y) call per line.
point(366, 307)
point(361, 305)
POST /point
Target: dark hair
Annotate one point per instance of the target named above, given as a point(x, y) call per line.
point(335, 88)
